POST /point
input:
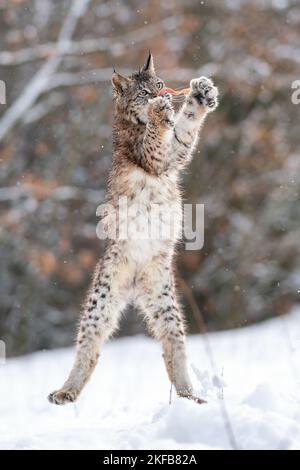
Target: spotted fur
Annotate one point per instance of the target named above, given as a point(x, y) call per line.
point(151, 145)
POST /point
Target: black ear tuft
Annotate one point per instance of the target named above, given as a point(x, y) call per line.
point(149, 65)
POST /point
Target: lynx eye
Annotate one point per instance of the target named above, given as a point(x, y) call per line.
point(143, 93)
point(159, 85)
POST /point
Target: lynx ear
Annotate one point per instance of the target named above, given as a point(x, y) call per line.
point(149, 65)
point(119, 82)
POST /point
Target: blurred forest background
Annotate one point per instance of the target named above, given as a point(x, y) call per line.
point(55, 151)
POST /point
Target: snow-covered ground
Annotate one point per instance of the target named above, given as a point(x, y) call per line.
point(126, 404)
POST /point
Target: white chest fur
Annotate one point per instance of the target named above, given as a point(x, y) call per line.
point(153, 214)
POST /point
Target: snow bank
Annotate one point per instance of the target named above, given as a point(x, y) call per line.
point(126, 404)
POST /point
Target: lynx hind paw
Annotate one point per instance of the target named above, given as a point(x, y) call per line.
point(205, 93)
point(61, 397)
point(161, 110)
point(196, 399)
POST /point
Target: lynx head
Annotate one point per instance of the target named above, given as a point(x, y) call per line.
point(133, 93)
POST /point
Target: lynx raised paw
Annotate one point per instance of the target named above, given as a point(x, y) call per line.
point(161, 111)
point(204, 92)
point(61, 397)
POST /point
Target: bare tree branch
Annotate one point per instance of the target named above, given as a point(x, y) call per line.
point(62, 193)
point(39, 82)
point(88, 46)
point(44, 107)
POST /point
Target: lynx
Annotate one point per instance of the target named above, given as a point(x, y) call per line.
point(152, 145)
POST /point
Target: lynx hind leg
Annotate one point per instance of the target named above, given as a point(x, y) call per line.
point(106, 300)
point(174, 350)
point(85, 362)
point(163, 314)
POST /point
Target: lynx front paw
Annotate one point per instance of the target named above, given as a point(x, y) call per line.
point(161, 111)
point(61, 397)
point(204, 92)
